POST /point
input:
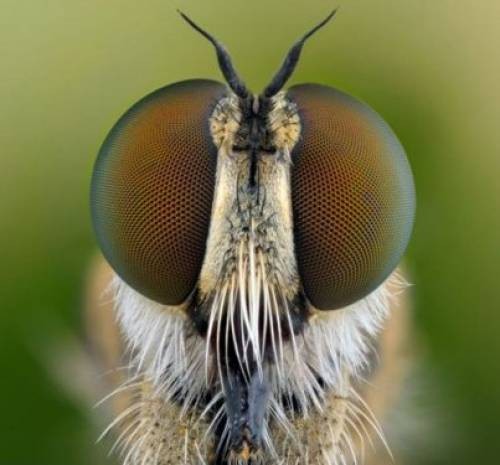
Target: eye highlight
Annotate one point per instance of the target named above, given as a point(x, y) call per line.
point(352, 194)
point(152, 190)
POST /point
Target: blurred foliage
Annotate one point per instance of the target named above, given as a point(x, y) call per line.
point(70, 68)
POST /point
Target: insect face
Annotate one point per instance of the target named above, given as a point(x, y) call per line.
point(249, 214)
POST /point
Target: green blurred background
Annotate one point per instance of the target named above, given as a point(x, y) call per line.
point(70, 68)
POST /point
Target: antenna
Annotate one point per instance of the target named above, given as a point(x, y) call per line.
point(291, 60)
point(225, 63)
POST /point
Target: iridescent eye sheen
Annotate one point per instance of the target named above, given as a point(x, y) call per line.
point(352, 194)
point(152, 190)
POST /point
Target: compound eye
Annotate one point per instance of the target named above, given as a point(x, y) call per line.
point(152, 190)
point(353, 197)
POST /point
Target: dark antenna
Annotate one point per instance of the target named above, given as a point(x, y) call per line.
point(291, 60)
point(225, 63)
